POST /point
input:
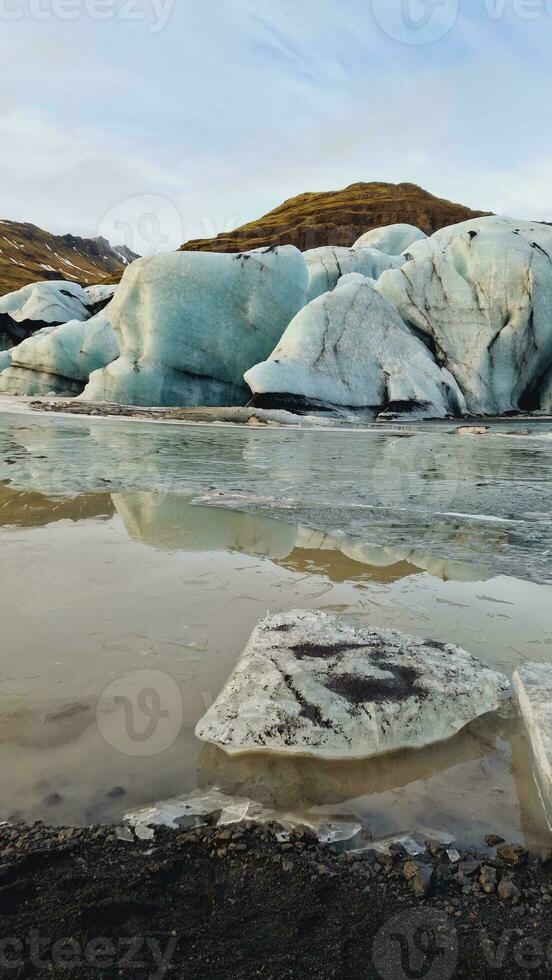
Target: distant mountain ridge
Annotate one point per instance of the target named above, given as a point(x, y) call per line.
point(30, 254)
point(339, 218)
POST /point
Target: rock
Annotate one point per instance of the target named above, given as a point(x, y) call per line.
point(546, 856)
point(392, 239)
point(350, 349)
point(488, 879)
point(473, 430)
point(508, 891)
point(329, 264)
point(469, 868)
point(5, 359)
point(481, 295)
point(310, 684)
point(533, 687)
point(492, 840)
point(513, 854)
point(419, 877)
point(51, 303)
point(190, 324)
point(60, 360)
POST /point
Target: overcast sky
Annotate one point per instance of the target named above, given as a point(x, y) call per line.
point(208, 113)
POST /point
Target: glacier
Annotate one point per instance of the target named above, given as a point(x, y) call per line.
point(52, 302)
point(456, 323)
point(480, 294)
point(189, 324)
point(60, 360)
point(327, 265)
point(350, 349)
point(391, 239)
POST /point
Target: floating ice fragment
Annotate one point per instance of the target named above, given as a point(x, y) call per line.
point(439, 836)
point(233, 810)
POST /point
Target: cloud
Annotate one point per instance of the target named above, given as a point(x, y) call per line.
point(239, 104)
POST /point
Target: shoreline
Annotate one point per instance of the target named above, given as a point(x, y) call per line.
point(278, 419)
point(239, 901)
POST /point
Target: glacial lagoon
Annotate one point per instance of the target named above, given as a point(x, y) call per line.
point(128, 548)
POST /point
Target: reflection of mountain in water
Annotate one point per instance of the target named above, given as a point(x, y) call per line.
point(22, 508)
point(475, 501)
point(171, 522)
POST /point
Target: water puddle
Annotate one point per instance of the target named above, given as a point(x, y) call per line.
point(145, 551)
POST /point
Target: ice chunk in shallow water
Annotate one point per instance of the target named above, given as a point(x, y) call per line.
point(234, 810)
point(234, 813)
point(411, 846)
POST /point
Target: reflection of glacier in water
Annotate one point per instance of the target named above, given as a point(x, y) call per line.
point(121, 568)
point(465, 499)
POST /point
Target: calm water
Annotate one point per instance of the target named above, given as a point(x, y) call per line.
point(128, 548)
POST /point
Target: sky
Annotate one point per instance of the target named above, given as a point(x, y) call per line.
point(156, 121)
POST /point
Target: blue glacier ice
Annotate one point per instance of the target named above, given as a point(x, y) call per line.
point(350, 349)
point(480, 293)
point(327, 265)
point(53, 302)
point(391, 239)
point(189, 324)
point(60, 360)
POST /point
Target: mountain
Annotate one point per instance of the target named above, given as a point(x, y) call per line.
point(29, 254)
point(339, 218)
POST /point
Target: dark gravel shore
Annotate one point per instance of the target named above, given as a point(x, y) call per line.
point(238, 902)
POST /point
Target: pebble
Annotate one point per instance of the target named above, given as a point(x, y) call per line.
point(488, 879)
point(508, 891)
point(513, 854)
point(419, 876)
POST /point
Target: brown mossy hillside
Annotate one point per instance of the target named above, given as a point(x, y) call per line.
point(339, 218)
point(30, 254)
